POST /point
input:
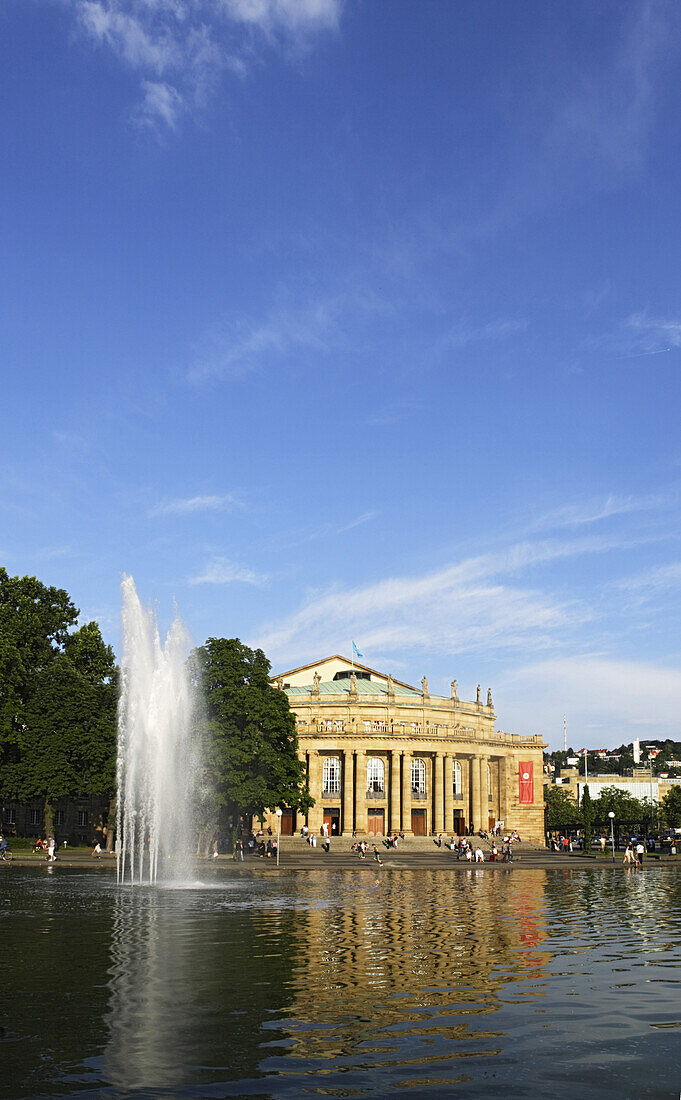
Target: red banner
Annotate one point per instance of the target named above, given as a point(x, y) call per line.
point(526, 781)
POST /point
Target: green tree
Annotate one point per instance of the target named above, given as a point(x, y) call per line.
point(671, 807)
point(561, 807)
point(248, 735)
point(587, 817)
point(625, 807)
point(58, 696)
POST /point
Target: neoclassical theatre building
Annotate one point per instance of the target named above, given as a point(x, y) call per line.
point(383, 756)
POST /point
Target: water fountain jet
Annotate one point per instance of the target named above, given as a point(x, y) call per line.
point(156, 765)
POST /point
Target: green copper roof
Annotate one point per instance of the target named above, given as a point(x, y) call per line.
point(364, 687)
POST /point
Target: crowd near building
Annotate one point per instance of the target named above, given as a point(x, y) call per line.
point(383, 756)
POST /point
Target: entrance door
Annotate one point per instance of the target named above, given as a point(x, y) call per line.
point(491, 822)
point(375, 822)
point(459, 823)
point(332, 819)
point(287, 823)
point(418, 822)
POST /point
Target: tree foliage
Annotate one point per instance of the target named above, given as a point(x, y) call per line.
point(248, 732)
point(671, 807)
point(587, 809)
point(626, 808)
point(561, 807)
point(58, 694)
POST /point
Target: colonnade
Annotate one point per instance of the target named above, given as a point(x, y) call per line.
point(352, 803)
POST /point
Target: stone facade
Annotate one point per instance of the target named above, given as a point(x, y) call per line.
point(383, 756)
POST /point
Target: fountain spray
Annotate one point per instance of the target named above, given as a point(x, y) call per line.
point(156, 767)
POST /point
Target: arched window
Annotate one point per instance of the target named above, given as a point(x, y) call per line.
point(331, 779)
point(376, 775)
point(418, 776)
point(457, 784)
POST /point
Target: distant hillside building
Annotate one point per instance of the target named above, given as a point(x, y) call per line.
point(383, 756)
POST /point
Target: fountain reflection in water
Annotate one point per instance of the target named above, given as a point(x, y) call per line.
point(156, 766)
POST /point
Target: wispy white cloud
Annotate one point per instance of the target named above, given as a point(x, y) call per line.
point(607, 701)
point(222, 571)
point(660, 579)
point(322, 531)
point(581, 513)
point(465, 607)
point(464, 333)
point(161, 104)
point(180, 48)
point(183, 506)
point(240, 346)
point(291, 17)
point(637, 336)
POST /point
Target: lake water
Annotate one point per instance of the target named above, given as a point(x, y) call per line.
point(517, 982)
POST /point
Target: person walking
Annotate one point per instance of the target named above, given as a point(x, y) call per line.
point(628, 854)
point(640, 852)
point(376, 857)
point(50, 849)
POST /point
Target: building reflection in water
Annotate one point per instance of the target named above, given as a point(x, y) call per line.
point(400, 972)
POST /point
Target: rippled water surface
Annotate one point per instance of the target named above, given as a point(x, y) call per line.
point(522, 982)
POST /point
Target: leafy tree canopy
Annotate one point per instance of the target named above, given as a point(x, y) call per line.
point(248, 731)
point(58, 694)
point(561, 807)
point(625, 807)
point(671, 807)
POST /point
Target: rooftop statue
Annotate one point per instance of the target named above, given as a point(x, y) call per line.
point(478, 695)
point(424, 685)
point(454, 687)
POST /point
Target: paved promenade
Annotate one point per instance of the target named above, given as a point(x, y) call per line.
point(412, 853)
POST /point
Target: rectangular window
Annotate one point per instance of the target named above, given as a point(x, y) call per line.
point(11, 816)
point(82, 818)
point(59, 817)
point(35, 817)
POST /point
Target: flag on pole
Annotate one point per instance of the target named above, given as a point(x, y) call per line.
point(355, 651)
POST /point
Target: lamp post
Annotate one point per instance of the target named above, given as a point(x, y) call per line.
point(278, 812)
point(611, 815)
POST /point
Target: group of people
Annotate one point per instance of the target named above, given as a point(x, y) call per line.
point(634, 853)
point(47, 847)
point(361, 848)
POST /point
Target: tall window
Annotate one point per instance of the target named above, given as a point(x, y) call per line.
point(82, 817)
point(331, 775)
point(376, 775)
point(35, 817)
point(11, 815)
point(418, 776)
point(489, 781)
point(59, 817)
point(456, 778)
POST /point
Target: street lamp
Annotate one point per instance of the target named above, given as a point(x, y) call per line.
point(611, 815)
point(278, 812)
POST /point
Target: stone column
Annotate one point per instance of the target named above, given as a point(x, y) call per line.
point(475, 792)
point(395, 788)
point(348, 793)
point(502, 788)
point(361, 795)
point(406, 793)
point(449, 793)
point(316, 814)
point(438, 823)
point(484, 794)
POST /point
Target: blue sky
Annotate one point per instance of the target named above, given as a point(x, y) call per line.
point(335, 320)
